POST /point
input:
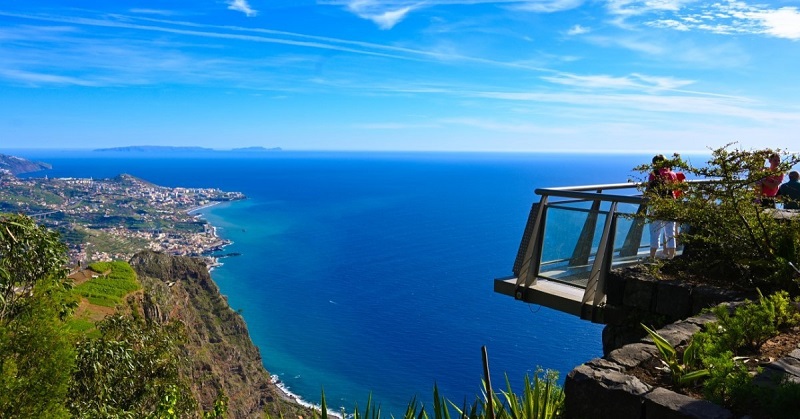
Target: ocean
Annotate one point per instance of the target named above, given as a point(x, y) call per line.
point(372, 273)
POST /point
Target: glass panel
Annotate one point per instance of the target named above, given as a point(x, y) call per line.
point(571, 237)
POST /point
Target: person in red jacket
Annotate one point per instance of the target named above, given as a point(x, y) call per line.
point(770, 184)
point(661, 182)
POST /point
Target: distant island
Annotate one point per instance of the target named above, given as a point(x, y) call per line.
point(171, 149)
point(17, 165)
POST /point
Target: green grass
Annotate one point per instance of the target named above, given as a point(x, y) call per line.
point(118, 280)
point(80, 325)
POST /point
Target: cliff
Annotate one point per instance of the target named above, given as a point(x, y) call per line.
point(18, 165)
point(218, 350)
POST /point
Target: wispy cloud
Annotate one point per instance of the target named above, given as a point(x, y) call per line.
point(384, 19)
point(392, 126)
point(626, 8)
point(157, 12)
point(578, 30)
point(38, 79)
point(633, 81)
point(242, 6)
point(676, 103)
point(387, 14)
point(686, 51)
point(547, 6)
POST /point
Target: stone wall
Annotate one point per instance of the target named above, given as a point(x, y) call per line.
point(634, 296)
point(608, 387)
point(604, 387)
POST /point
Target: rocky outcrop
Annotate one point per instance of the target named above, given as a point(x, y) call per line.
point(218, 350)
point(18, 165)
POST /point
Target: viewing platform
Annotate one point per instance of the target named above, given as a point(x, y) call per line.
point(573, 238)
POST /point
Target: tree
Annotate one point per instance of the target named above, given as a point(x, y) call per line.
point(131, 369)
point(730, 235)
point(36, 351)
point(30, 255)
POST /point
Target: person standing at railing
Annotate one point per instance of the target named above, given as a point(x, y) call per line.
point(770, 184)
point(789, 192)
point(660, 182)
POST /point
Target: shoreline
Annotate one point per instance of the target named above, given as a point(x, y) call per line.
point(202, 207)
point(295, 398)
point(283, 390)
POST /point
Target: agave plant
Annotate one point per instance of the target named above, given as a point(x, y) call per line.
point(541, 398)
point(683, 369)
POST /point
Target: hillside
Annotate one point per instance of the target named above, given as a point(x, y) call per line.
point(18, 165)
point(218, 347)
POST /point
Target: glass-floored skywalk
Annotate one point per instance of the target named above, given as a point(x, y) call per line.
point(573, 238)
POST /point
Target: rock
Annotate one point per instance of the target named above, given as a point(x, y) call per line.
point(591, 393)
point(674, 299)
point(665, 404)
point(633, 355)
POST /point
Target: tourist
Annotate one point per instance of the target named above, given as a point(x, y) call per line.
point(770, 184)
point(660, 183)
point(789, 192)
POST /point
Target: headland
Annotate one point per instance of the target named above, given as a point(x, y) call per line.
point(105, 219)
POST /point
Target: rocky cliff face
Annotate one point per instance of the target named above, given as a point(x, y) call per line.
point(218, 349)
point(17, 165)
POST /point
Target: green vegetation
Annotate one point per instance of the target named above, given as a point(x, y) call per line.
point(49, 367)
point(36, 351)
point(721, 356)
point(733, 240)
point(731, 237)
point(131, 370)
point(541, 398)
point(118, 280)
point(684, 369)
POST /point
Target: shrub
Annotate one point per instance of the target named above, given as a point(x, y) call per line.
point(730, 381)
point(731, 237)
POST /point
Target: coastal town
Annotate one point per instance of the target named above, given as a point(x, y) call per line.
point(111, 219)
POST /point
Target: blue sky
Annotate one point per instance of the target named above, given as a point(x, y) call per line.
point(471, 75)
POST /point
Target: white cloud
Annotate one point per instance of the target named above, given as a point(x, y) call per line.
point(386, 16)
point(242, 6)
point(578, 30)
point(627, 8)
point(670, 24)
point(38, 79)
point(722, 18)
point(781, 23)
point(633, 81)
point(547, 6)
point(154, 12)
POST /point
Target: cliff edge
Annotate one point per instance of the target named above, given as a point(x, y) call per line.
point(218, 350)
point(17, 165)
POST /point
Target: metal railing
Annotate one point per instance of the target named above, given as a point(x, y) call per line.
point(574, 236)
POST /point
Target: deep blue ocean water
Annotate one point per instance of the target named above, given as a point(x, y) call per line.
point(372, 272)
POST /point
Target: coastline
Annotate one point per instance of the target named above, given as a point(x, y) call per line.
point(213, 262)
point(202, 207)
point(295, 398)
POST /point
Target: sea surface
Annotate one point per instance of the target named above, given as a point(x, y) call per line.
point(372, 273)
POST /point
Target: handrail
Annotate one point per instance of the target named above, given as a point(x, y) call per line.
point(592, 258)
